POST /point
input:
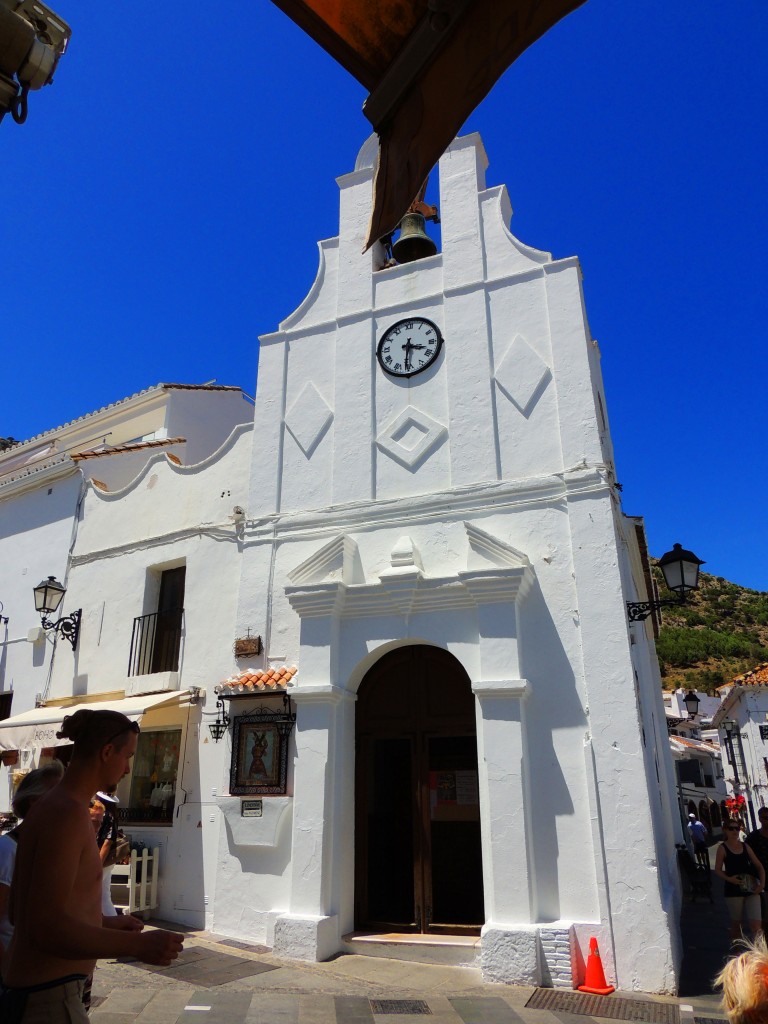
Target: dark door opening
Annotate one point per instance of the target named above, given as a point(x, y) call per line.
point(418, 863)
point(170, 610)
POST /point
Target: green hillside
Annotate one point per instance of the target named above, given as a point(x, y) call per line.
point(721, 632)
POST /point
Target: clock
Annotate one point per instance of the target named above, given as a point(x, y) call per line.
point(409, 346)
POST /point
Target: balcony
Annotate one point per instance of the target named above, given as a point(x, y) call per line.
point(155, 643)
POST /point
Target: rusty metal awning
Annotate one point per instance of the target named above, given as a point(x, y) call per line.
point(427, 65)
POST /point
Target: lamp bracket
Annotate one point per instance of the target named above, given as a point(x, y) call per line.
point(638, 611)
point(220, 726)
point(68, 626)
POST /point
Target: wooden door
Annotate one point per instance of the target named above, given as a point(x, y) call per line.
point(418, 851)
point(170, 611)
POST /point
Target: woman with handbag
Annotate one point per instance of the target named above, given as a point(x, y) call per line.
point(744, 878)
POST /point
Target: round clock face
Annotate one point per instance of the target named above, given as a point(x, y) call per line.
point(409, 346)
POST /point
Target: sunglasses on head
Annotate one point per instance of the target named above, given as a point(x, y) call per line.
point(131, 727)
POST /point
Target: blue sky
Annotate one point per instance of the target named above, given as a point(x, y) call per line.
point(164, 199)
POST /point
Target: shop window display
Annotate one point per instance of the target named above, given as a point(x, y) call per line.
point(153, 783)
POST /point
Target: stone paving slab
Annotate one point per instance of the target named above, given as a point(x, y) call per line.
point(124, 1000)
point(215, 1008)
point(353, 1010)
point(166, 1007)
point(105, 1017)
point(273, 1008)
point(317, 1009)
point(484, 1010)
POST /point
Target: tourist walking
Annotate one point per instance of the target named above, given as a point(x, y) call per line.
point(56, 896)
point(744, 879)
point(699, 835)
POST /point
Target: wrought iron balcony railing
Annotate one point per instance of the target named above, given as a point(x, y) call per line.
point(155, 642)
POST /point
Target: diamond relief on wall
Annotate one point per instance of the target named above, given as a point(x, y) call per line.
point(411, 437)
point(522, 375)
point(308, 419)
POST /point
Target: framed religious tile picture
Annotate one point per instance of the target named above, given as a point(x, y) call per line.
point(260, 752)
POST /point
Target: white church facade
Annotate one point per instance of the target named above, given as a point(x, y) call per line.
point(433, 552)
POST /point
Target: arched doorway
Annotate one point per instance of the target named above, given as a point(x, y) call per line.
point(714, 813)
point(704, 815)
point(418, 861)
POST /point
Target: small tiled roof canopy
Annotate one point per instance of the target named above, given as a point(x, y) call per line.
point(275, 679)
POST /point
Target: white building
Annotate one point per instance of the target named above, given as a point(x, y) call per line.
point(46, 487)
point(448, 564)
point(438, 565)
point(742, 723)
point(697, 758)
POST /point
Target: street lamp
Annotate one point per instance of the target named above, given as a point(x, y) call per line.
point(691, 702)
point(49, 594)
point(220, 726)
point(681, 574)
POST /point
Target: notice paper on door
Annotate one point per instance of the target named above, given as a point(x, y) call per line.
point(467, 790)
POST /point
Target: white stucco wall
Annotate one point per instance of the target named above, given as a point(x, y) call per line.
point(36, 532)
point(169, 515)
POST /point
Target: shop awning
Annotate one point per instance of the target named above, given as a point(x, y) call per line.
point(427, 66)
point(36, 729)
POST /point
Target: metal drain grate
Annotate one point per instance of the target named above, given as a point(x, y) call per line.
point(399, 1006)
point(614, 1007)
point(710, 1020)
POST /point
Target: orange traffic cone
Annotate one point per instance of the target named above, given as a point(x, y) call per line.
point(594, 981)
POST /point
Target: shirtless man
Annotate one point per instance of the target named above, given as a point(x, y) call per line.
point(55, 902)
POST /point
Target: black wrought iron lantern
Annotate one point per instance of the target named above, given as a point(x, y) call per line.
point(681, 570)
point(691, 702)
point(220, 726)
point(681, 574)
point(49, 594)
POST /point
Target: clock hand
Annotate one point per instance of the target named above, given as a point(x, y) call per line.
point(407, 347)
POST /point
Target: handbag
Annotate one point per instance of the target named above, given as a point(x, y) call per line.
point(748, 884)
point(120, 851)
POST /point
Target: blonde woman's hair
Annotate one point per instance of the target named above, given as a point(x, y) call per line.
point(744, 981)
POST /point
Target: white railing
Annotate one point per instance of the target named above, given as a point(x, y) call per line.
point(134, 885)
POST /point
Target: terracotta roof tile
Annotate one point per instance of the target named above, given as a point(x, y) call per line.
point(755, 677)
point(134, 446)
point(275, 679)
point(702, 745)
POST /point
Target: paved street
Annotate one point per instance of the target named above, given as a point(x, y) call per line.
point(222, 981)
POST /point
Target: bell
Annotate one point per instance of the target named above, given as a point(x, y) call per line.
point(414, 243)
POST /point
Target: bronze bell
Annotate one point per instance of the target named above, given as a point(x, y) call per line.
point(414, 243)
